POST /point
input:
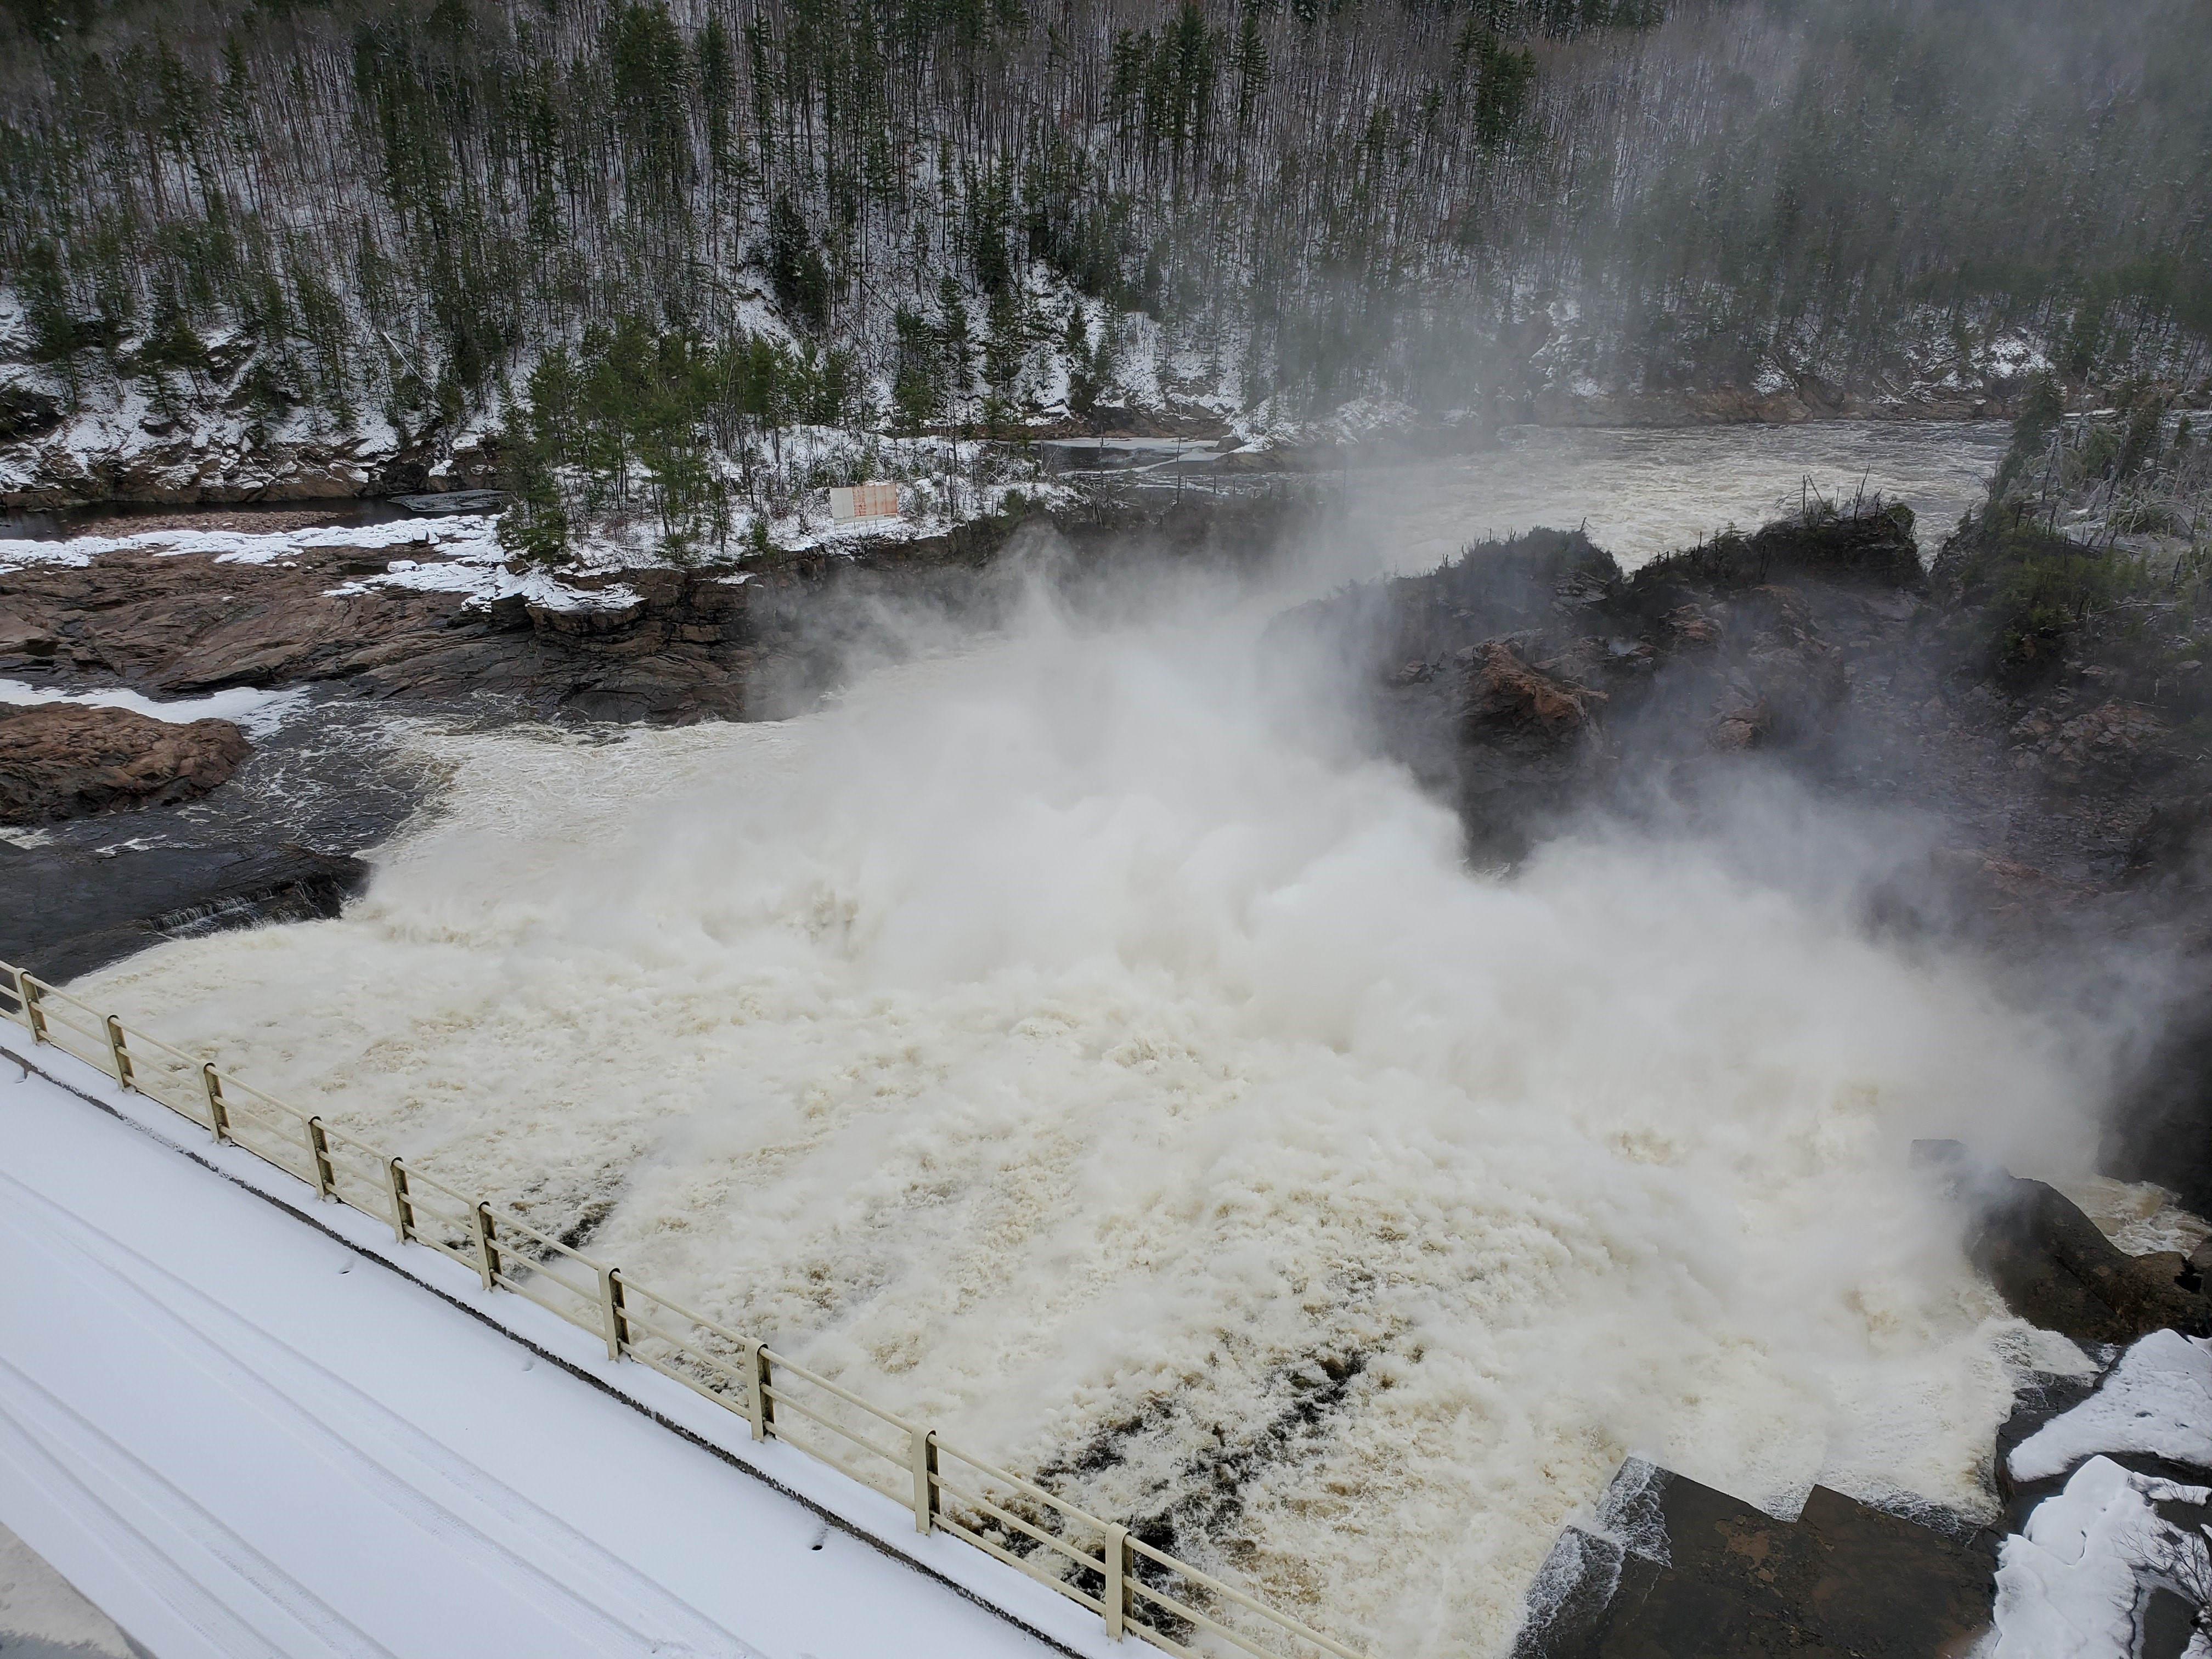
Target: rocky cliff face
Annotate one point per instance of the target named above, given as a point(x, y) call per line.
point(1531, 680)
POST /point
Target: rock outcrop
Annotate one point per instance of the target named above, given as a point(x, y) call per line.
point(671, 645)
point(2055, 1268)
point(1533, 675)
point(64, 760)
point(1674, 1568)
point(220, 448)
point(62, 912)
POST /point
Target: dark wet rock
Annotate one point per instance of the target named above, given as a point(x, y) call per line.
point(65, 759)
point(64, 913)
point(2053, 1266)
point(1876, 545)
point(1703, 1573)
point(1798, 675)
point(2172, 841)
point(2117, 738)
point(1526, 740)
point(1531, 676)
point(2166, 1625)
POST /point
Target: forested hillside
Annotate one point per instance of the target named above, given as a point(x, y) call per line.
point(634, 237)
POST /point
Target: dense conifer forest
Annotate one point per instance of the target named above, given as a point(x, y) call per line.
point(637, 235)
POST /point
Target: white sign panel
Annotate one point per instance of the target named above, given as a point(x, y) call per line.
point(867, 500)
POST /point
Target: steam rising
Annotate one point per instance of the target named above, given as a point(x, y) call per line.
point(1076, 1045)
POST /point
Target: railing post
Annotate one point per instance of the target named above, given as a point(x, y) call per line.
point(218, 1110)
point(611, 1305)
point(1116, 1591)
point(119, 1055)
point(923, 1443)
point(36, 1015)
point(319, 1148)
point(402, 1213)
point(758, 1405)
point(486, 1252)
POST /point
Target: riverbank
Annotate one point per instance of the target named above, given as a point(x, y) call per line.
point(348, 634)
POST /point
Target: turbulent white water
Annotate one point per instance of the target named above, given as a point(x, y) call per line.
point(1648, 490)
point(1073, 1044)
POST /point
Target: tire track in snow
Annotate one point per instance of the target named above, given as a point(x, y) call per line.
point(37, 1430)
point(618, 1609)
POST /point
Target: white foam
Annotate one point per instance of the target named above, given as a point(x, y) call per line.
point(257, 713)
point(1070, 1045)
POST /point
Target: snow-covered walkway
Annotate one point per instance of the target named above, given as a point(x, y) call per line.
point(243, 1437)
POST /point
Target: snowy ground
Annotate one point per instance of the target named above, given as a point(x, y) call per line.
point(2073, 1583)
point(456, 555)
point(256, 711)
point(243, 1437)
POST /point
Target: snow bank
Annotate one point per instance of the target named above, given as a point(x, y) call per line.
point(465, 534)
point(2068, 1588)
point(459, 554)
point(2157, 1401)
point(482, 571)
point(257, 713)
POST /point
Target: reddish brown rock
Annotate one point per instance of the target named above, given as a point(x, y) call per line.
point(63, 760)
point(1689, 628)
point(1512, 705)
point(1739, 722)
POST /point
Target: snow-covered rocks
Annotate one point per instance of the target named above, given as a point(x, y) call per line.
point(2072, 1585)
point(2156, 1401)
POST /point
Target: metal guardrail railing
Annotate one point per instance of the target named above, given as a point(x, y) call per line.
point(1137, 1589)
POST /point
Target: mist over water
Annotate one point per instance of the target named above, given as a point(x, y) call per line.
point(1647, 490)
point(1077, 1044)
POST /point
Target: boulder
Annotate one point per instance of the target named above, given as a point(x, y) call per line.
point(2116, 739)
point(63, 760)
point(1673, 1569)
point(2055, 1268)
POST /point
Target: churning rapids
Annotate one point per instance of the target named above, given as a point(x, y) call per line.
point(1076, 1043)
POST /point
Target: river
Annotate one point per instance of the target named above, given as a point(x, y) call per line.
point(1074, 1042)
point(1645, 491)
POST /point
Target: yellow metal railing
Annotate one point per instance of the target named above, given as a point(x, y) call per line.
point(1137, 1589)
